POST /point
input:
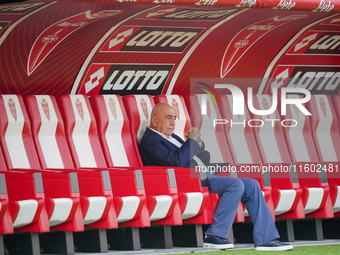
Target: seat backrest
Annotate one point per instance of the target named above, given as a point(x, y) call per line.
point(114, 131)
point(324, 124)
point(183, 119)
point(138, 108)
point(81, 131)
point(239, 133)
point(298, 134)
point(15, 135)
point(48, 132)
point(213, 135)
point(269, 134)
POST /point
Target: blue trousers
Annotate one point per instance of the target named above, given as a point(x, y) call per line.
point(231, 192)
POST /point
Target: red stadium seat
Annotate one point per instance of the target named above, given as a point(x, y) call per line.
point(242, 147)
point(299, 140)
point(26, 201)
point(81, 131)
point(97, 201)
point(27, 208)
point(49, 137)
point(63, 202)
point(274, 152)
point(213, 136)
point(129, 205)
point(193, 198)
point(120, 152)
point(114, 131)
point(193, 205)
point(48, 132)
point(239, 134)
point(16, 138)
point(83, 138)
point(325, 130)
point(243, 150)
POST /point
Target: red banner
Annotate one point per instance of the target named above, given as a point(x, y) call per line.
point(64, 47)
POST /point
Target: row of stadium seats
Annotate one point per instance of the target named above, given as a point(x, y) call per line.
point(312, 143)
point(72, 163)
point(55, 151)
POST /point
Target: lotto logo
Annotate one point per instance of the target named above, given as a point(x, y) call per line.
point(151, 39)
point(317, 79)
point(122, 79)
point(317, 42)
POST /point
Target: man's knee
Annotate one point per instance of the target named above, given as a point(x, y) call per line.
point(236, 186)
point(252, 185)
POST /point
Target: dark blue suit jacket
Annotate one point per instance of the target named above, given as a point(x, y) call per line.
point(158, 151)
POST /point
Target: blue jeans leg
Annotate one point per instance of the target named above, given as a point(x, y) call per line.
point(230, 191)
point(264, 226)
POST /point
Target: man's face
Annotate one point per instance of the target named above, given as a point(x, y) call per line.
point(166, 121)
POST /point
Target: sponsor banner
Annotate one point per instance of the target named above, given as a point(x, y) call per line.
point(72, 47)
point(317, 79)
point(309, 60)
point(185, 14)
point(56, 33)
point(317, 43)
point(55, 60)
point(124, 79)
point(151, 39)
point(21, 8)
point(246, 38)
point(134, 42)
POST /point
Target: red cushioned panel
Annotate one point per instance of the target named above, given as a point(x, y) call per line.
point(16, 113)
point(264, 102)
point(303, 123)
point(325, 130)
point(246, 130)
point(41, 110)
point(109, 111)
point(196, 120)
point(81, 106)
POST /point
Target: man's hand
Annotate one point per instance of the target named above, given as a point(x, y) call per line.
point(194, 134)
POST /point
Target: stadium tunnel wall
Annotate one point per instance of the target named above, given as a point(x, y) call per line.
point(71, 47)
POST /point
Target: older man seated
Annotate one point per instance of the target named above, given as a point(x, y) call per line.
point(161, 147)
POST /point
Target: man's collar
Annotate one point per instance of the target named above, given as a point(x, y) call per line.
point(172, 139)
point(162, 135)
